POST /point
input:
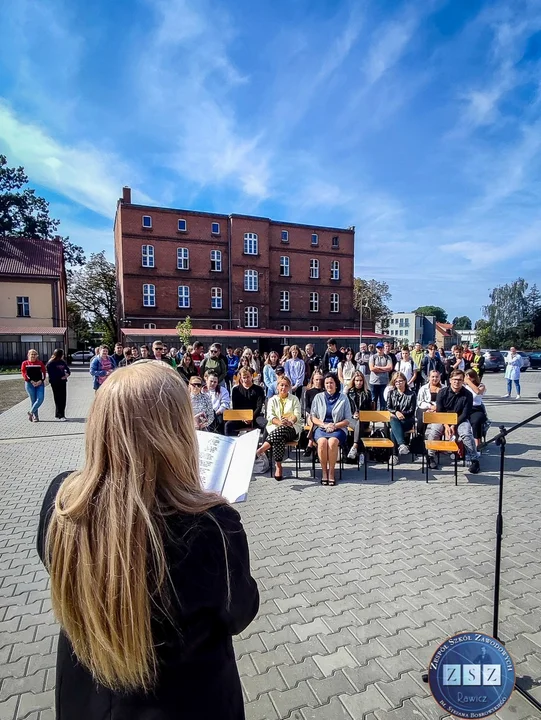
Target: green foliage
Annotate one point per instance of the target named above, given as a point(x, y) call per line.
point(25, 214)
point(184, 330)
point(481, 324)
point(513, 317)
point(438, 312)
point(374, 295)
point(462, 323)
point(93, 293)
point(78, 323)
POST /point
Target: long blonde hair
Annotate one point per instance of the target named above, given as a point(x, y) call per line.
point(104, 544)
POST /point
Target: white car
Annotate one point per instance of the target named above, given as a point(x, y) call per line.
point(82, 356)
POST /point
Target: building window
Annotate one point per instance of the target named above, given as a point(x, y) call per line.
point(183, 259)
point(285, 236)
point(149, 295)
point(335, 270)
point(335, 302)
point(215, 228)
point(401, 322)
point(284, 266)
point(216, 298)
point(149, 326)
point(218, 327)
point(23, 306)
point(251, 317)
point(284, 300)
point(147, 259)
point(315, 239)
point(183, 296)
point(335, 242)
point(314, 302)
point(401, 332)
point(314, 269)
point(314, 328)
point(250, 244)
point(216, 260)
point(182, 225)
point(147, 221)
point(251, 280)
point(406, 322)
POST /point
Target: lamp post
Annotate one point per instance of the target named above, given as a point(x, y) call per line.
point(361, 321)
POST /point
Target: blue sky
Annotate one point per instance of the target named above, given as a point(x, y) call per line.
point(417, 122)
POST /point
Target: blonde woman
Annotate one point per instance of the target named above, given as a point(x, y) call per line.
point(150, 575)
point(34, 374)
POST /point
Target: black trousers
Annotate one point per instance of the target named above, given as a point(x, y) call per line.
point(60, 394)
point(278, 438)
point(233, 427)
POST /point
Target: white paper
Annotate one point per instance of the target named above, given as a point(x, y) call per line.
point(241, 467)
point(215, 452)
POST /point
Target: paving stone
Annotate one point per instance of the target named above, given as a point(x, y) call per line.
point(298, 697)
point(334, 661)
point(334, 710)
point(305, 670)
point(399, 690)
point(256, 685)
point(334, 685)
point(360, 704)
point(261, 709)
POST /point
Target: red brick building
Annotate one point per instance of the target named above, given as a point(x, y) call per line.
point(230, 271)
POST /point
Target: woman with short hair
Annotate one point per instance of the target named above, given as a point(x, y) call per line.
point(101, 366)
point(330, 414)
point(59, 372)
point(34, 373)
point(283, 423)
point(150, 574)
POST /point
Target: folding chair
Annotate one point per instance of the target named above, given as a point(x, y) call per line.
point(292, 444)
point(439, 446)
point(377, 416)
point(240, 415)
point(340, 461)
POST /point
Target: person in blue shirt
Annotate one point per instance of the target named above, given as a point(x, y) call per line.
point(232, 366)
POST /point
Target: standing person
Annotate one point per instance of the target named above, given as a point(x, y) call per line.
point(187, 369)
point(214, 363)
point(456, 361)
point(118, 354)
point(135, 353)
point(332, 358)
point(232, 366)
point(407, 366)
point(246, 396)
point(467, 353)
point(286, 355)
point(401, 404)
point(330, 413)
point(159, 353)
point(360, 398)
point(150, 574)
point(347, 369)
point(311, 361)
point(430, 362)
point(295, 369)
point(203, 412)
point(380, 367)
point(417, 355)
point(101, 366)
point(478, 361)
point(59, 372)
point(220, 399)
point(128, 358)
point(198, 355)
point(272, 389)
point(269, 369)
point(513, 363)
point(363, 360)
point(283, 423)
point(172, 355)
point(145, 352)
point(34, 374)
point(388, 350)
point(246, 364)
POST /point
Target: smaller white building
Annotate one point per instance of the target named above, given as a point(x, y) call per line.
point(469, 336)
point(405, 328)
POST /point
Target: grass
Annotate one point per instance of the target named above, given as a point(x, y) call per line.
point(11, 392)
point(9, 370)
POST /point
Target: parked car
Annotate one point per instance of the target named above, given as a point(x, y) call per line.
point(526, 364)
point(82, 356)
point(535, 359)
point(494, 360)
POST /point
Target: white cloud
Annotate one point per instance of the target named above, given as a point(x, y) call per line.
point(387, 49)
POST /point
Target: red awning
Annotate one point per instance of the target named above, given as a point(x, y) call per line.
point(241, 332)
point(26, 330)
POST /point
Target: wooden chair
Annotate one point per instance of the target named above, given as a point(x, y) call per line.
point(241, 416)
point(377, 416)
point(439, 446)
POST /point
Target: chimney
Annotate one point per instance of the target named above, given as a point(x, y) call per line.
point(126, 195)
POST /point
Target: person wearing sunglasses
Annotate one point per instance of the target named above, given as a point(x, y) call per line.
point(203, 412)
point(160, 354)
point(214, 363)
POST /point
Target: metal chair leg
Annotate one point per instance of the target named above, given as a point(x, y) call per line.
point(456, 469)
point(392, 467)
point(426, 467)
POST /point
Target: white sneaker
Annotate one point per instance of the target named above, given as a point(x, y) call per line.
point(517, 397)
point(352, 454)
point(403, 450)
point(505, 396)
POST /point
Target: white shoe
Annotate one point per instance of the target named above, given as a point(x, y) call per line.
point(505, 396)
point(517, 397)
point(361, 460)
point(352, 454)
point(403, 450)
point(62, 419)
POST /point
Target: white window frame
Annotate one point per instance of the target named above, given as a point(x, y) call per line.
point(284, 266)
point(147, 256)
point(23, 301)
point(335, 302)
point(183, 296)
point(148, 225)
point(183, 258)
point(284, 301)
point(251, 244)
point(149, 295)
point(251, 317)
point(314, 328)
point(216, 298)
point(218, 327)
point(284, 236)
point(182, 229)
point(315, 240)
point(216, 258)
point(215, 225)
point(335, 242)
point(314, 302)
point(149, 326)
point(314, 269)
point(285, 328)
point(251, 280)
point(335, 270)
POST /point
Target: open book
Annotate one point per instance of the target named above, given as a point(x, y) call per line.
point(226, 463)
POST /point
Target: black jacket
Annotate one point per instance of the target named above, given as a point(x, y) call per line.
point(198, 677)
point(405, 402)
point(57, 369)
point(359, 401)
point(251, 399)
point(460, 403)
point(428, 364)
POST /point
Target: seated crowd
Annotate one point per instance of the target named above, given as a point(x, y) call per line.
point(297, 391)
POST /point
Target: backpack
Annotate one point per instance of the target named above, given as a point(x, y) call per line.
point(379, 455)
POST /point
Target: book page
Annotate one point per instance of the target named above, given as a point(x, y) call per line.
point(215, 452)
point(241, 466)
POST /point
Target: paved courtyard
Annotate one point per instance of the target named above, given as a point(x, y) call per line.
point(359, 583)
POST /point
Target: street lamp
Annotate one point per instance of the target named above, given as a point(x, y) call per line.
point(361, 320)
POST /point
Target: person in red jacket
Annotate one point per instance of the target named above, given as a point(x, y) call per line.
point(34, 374)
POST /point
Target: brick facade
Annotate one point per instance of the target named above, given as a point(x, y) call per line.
point(199, 239)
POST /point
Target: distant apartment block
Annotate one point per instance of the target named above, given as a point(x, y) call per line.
point(409, 328)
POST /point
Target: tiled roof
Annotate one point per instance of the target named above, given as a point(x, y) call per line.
point(38, 258)
point(24, 330)
point(240, 332)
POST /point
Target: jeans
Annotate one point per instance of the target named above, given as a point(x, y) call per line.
point(510, 386)
point(465, 433)
point(36, 395)
point(377, 394)
point(399, 429)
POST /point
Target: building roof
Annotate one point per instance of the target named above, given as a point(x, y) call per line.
point(35, 258)
point(241, 332)
point(445, 328)
point(26, 330)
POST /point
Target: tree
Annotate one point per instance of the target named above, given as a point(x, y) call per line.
point(78, 323)
point(93, 290)
point(25, 214)
point(438, 312)
point(462, 323)
point(184, 330)
point(481, 324)
point(508, 307)
point(374, 295)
